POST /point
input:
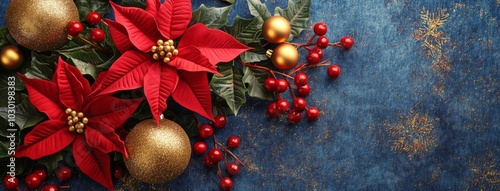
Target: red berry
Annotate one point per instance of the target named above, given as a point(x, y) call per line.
point(226, 183)
point(347, 42)
point(319, 51)
point(312, 113)
point(333, 71)
point(75, 28)
point(320, 28)
point(233, 142)
point(281, 85)
point(282, 105)
point(93, 18)
point(299, 104)
point(10, 182)
point(220, 121)
point(118, 172)
point(232, 168)
point(304, 90)
point(32, 181)
point(205, 131)
point(97, 35)
point(300, 79)
point(215, 155)
point(294, 117)
point(322, 42)
point(207, 162)
point(270, 84)
point(63, 173)
point(313, 57)
point(50, 187)
point(272, 111)
point(199, 148)
point(41, 172)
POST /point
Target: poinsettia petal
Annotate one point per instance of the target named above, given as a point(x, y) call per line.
point(126, 73)
point(152, 6)
point(193, 93)
point(110, 111)
point(77, 75)
point(105, 140)
point(93, 163)
point(98, 80)
point(214, 44)
point(192, 60)
point(173, 18)
point(140, 25)
point(159, 83)
point(71, 89)
point(44, 95)
point(120, 36)
point(47, 138)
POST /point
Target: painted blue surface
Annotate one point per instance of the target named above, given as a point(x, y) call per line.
point(386, 78)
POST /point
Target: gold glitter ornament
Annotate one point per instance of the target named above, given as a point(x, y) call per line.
point(285, 56)
point(157, 154)
point(276, 29)
point(10, 57)
point(40, 25)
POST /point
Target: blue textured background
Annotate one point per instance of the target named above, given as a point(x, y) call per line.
point(435, 92)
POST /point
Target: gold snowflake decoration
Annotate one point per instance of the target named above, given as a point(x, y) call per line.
point(413, 134)
point(486, 173)
point(433, 38)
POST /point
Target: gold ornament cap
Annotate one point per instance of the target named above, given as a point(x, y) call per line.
point(10, 57)
point(40, 25)
point(285, 56)
point(157, 154)
point(276, 29)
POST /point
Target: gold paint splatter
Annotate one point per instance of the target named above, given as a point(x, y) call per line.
point(413, 134)
point(129, 183)
point(433, 38)
point(486, 173)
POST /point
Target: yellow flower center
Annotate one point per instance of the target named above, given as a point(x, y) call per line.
point(76, 120)
point(164, 50)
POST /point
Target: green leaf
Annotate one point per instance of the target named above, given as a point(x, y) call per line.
point(3, 131)
point(4, 147)
point(42, 66)
point(50, 162)
point(254, 80)
point(87, 6)
point(187, 121)
point(297, 13)
point(117, 157)
point(229, 1)
point(256, 55)
point(143, 113)
point(245, 30)
point(83, 53)
point(211, 17)
point(85, 67)
point(26, 114)
point(258, 9)
point(5, 80)
point(229, 86)
point(134, 3)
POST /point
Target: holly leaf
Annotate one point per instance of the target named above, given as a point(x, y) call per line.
point(42, 66)
point(297, 13)
point(256, 55)
point(5, 83)
point(144, 112)
point(4, 147)
point(3, 131)
point(50, 162)
point(27, 115)
point(186, 121)
point(87, 6)
point(230, 86)
point(229, 1)
point(85, 67)
point(245, 30)
point(83, 53)
point(254, 80)
point(134, 3)
point(258, 9)
point(212, 17)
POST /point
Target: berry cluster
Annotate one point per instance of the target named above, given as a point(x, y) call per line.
point(215, 155)
point(314, 59)
point(36, 179)
point(97, 35)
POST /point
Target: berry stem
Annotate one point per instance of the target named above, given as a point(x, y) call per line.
point(272, 72)
point(64, 187)
point(291, 92)
point(94, 45)
point(231, 153)
point(104, 22)
point(308, 66)
point(337, 44)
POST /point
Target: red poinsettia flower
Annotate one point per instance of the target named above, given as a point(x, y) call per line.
point(87, 123)
point(150, 59)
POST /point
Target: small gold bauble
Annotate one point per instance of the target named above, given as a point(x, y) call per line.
point(285, 56)
point(40, 25)
point(276, 29)
point(10, 57)
point(157, 154)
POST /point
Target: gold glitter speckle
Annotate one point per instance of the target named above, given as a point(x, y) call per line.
point(486, 173)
